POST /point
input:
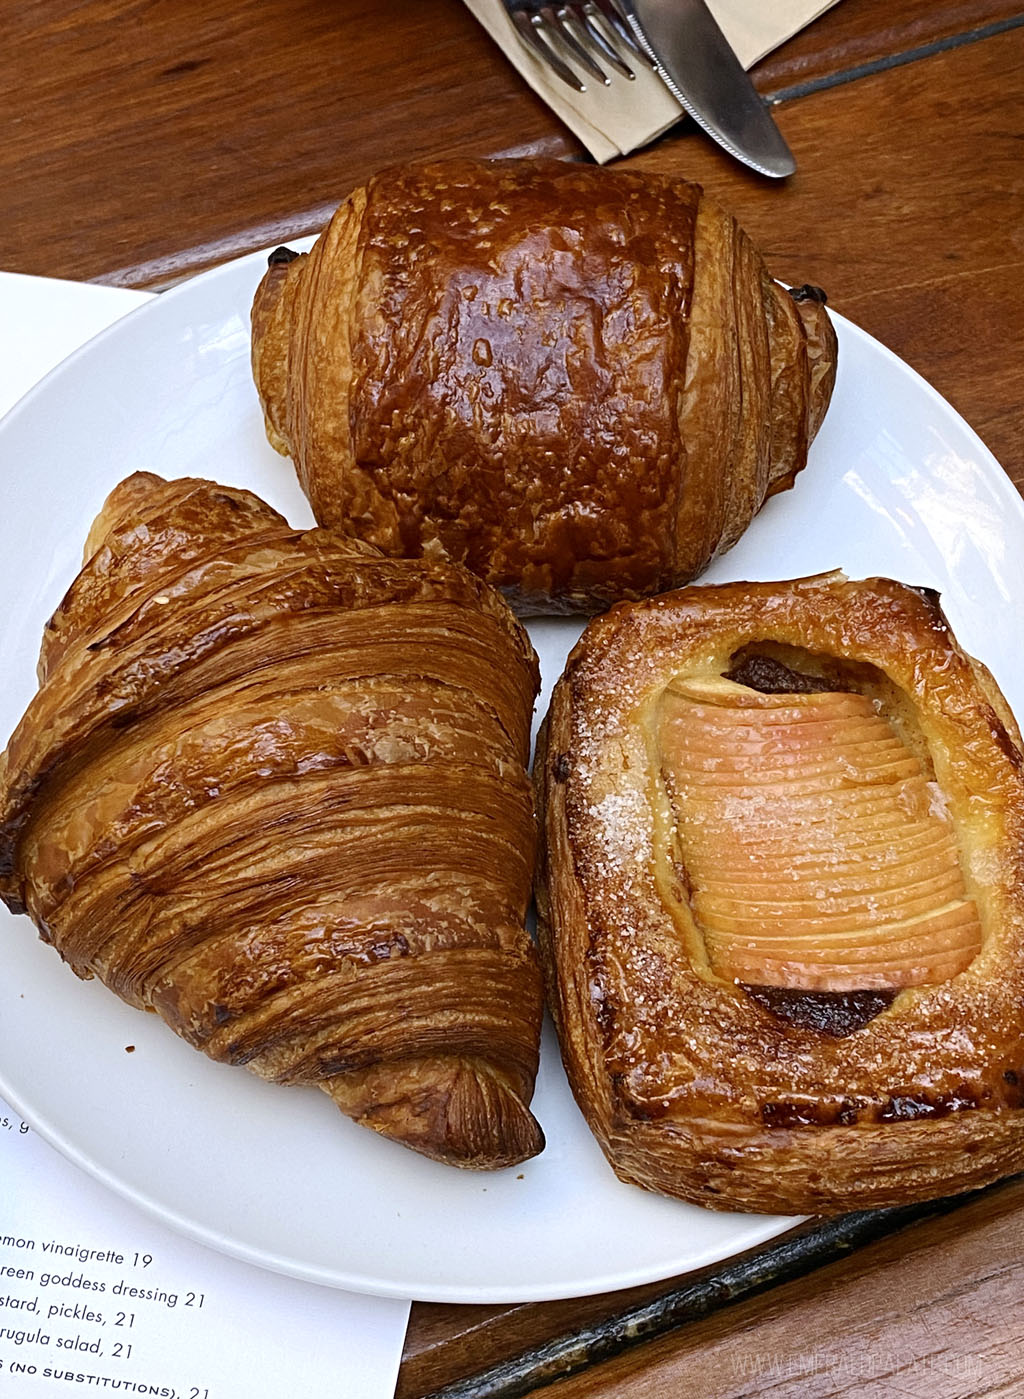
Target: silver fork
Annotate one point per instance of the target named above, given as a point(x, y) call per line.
point(587, 33)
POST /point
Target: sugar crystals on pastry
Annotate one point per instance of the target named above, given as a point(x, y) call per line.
point(781, 897)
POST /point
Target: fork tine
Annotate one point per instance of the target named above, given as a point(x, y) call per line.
point(586, 16)
point(564, 16)
point(532, 30)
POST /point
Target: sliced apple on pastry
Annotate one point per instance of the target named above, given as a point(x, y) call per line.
point(781, 896)
point(816, 854)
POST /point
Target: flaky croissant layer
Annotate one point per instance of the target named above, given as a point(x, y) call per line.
point(580, 383)
point(272, 787)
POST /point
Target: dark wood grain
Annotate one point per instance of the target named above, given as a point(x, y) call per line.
point(152, 138)
point(608, 1326)
point(599, 1352)
point(860, 34)
point(448, 1342)
point(918, 242)
point(931, 1311)
point(147, 140)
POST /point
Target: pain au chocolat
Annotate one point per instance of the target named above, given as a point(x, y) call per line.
point(272, 787)
point(781, 897)
point(581, 383)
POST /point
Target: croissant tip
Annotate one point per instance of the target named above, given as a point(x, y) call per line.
point(478, 1144)
point(281, 254)
point(461, 1115)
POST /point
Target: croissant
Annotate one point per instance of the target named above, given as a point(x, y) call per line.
point(272, 787)
point(781, 897)
point(580, 383)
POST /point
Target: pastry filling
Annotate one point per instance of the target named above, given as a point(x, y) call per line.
point(809, 837)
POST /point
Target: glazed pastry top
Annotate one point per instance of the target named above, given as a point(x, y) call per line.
point(658, 1002)
point(581, 384)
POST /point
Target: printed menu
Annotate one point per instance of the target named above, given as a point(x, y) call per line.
point(96, 1298)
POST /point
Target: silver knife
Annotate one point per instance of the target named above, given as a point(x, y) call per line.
point(697, 65)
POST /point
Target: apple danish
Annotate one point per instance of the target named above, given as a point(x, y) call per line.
point(781, 897)
point(581, 383)
point(273, 787)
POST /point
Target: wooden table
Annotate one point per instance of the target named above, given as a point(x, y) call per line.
point(146, 141)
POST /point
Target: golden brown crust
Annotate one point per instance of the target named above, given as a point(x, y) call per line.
point(273, 787)
point(579, 383)
point(694, 1086)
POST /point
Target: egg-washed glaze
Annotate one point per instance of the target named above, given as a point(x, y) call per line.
point(746, 1096)
point(580, 383)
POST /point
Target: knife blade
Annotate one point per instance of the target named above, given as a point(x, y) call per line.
point(698, 66)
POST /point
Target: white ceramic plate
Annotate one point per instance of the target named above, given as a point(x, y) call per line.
point(897, 484)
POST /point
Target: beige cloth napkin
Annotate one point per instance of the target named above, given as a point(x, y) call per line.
point(614, 120)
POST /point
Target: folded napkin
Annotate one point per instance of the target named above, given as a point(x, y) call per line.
point(614, 120)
